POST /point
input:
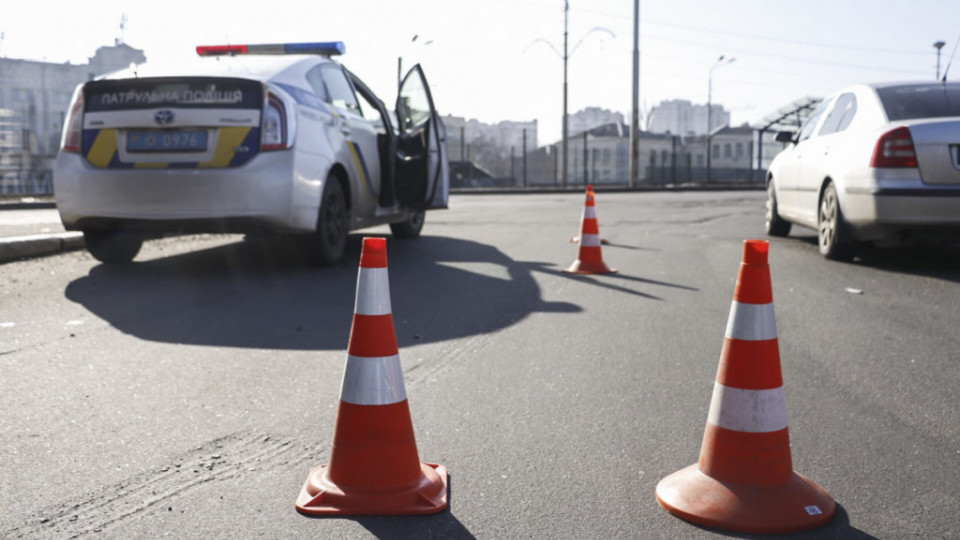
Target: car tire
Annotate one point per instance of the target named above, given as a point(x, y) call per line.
point(329, 242)
point(410, 227)
point(774, 224)
point(832, 230)
point(112, 246)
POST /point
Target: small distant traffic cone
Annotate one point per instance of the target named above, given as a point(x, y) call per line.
point(589, 257)
point(374, 465)
point(575, 239)
point(744, 480)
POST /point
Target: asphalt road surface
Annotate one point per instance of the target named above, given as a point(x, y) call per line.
point(188, 394)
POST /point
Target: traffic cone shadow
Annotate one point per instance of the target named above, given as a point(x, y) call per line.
point(374, 464)
point(744, 480)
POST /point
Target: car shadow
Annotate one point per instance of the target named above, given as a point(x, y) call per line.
point(264, 295)
point(935, 259)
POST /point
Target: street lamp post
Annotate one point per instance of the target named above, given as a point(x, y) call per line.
point(722, 61)
point(400, 60)
point(566, 17)
point(565, 56)
point(938, 45)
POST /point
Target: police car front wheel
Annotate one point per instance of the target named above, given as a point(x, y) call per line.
point(410, 227)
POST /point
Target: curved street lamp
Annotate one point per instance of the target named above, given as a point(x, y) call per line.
point(400, 59)
point(722, 61)
point(565, 57)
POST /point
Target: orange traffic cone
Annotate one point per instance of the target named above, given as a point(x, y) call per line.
point(589, 258)
point(575, 239)
point(745, 480)
point(374, 465)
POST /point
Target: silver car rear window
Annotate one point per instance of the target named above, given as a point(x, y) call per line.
point(907, 102)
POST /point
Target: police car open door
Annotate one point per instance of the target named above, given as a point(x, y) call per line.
point(423, 169)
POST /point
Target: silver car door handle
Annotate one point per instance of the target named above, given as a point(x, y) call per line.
point(345, 129)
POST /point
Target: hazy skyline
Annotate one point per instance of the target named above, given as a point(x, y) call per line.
point(484, 60)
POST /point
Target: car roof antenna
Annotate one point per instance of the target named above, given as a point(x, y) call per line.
point(950, 62)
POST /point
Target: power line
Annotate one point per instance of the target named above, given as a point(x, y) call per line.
point(785, 57)
point(805, 43)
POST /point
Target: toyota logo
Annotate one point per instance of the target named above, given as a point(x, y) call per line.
point(163, 116)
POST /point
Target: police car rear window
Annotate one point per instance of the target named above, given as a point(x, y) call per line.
point(199, 92)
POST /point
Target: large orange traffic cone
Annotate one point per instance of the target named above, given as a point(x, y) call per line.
point(745, 480)
point(575, 239)
point(589, 257)
point(374, 465)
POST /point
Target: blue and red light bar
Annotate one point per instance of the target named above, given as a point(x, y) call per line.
point(325, 48)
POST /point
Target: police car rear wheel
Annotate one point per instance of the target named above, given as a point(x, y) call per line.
point(330, 240)
point(112, 246)
point(410, 227)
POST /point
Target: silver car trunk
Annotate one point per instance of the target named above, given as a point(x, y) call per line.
point(937, 145)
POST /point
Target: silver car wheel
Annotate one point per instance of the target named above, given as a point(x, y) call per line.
point(830, 227)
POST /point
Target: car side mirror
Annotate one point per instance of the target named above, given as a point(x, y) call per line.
point(784, 137)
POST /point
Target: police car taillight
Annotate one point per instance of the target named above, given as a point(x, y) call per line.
point(73, 124)
point(273, 131)
point(325, 48)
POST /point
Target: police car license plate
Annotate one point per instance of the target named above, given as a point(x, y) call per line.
point(166, 141)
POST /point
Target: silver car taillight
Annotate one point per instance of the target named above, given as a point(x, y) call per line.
point(894, 149)
point(73, 125)
point(273, 129)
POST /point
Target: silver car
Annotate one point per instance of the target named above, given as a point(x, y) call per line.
point(248, 139)
point(872, 162)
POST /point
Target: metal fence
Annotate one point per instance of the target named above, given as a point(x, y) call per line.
point(26, 183)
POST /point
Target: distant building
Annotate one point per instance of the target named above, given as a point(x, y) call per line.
point(600, 156)
point(38, 95)
point(490, 146)
point(590, 118)
point(681, 117)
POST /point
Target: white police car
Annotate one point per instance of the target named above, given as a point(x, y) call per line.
point(252, 139)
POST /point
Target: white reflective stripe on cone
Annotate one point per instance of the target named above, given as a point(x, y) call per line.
point(589, 212)
point(373, 381)
point(753, 411)
point(373, 292)
point(590, 240)
point(751, 322)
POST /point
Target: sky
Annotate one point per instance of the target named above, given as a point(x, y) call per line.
point(496, 60)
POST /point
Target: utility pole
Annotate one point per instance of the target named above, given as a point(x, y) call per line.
point(635, 114)
point(586, 172)
point(566, 15)
point(524, 157)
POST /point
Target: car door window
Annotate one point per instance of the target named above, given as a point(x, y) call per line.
point(807, 130)
point(340, 93)
point(841, 115)
point(413, 106)
point(315, 79)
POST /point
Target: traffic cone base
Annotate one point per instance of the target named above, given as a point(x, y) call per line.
point(321, 497)
point(796, 505)
point(589, 267)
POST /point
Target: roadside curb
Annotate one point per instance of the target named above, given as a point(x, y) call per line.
point(25, 247)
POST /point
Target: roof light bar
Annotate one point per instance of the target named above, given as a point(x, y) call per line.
point(325, 48)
